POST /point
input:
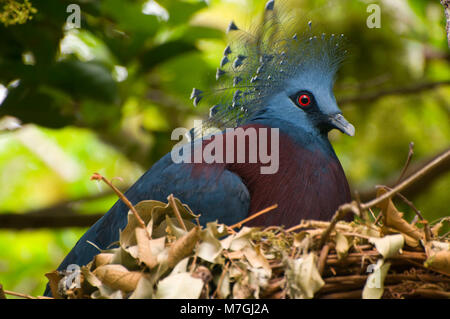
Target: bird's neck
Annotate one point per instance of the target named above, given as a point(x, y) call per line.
point(311, 139)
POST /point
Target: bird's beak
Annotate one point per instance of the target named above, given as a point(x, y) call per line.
point(339, 122)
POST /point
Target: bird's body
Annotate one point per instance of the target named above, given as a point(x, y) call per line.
point(286, 87)
point(309, 184)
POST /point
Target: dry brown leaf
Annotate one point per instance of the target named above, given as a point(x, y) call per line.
point(126, 257)
point(374, 287)
point(210, 248)
point(438, 254)
point(54, 277)
point(183, 246)
point(179, 286)
point(439, 261)
point(256, 259)
point(394, 219)
point(118, 277)
point(435, 229)
point(342, 245)
point(144, 249)
point(242, 238)
point(90, 278)
point(103, 259)
point(146, 210)
point(388, 246)
point(303, 277)
point(144, 288)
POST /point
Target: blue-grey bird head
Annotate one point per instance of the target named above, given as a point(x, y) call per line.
point(273, 74)
point(307, 100)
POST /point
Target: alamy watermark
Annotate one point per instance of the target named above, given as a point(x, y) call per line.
point(234, 145)
point(374, 19)
point(74, 19)
point(374, 280)
point(71, 279)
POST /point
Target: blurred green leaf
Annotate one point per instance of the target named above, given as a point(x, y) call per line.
point(84, 80)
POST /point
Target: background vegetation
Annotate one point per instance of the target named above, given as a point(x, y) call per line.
point(105, 97)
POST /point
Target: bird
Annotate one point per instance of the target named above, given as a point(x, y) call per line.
point(269, 82)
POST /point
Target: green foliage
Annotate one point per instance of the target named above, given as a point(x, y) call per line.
point(16, 12)
point(108, 95)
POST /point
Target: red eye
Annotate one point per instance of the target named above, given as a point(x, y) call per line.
point(304, 100)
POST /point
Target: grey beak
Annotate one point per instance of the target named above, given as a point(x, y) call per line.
point(339, 122)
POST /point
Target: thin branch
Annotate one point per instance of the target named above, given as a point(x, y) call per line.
point(418, 213)
point(438, 171)
point(264, 211)
point(97, 176)
point(340, 214)
point(410, 180)
point(370, 83)
point(356, 209)
point(177, 212)
point(32, 221)
point(390, 278)
point(406, 201)
point(65, 207)
point(408, 160)
point(2, 292)
point(21, 295)
point(222, 276)
point(323, 258)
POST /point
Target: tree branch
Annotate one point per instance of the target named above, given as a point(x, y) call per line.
point(412, 190)
point(33, 221)
point(412, 89)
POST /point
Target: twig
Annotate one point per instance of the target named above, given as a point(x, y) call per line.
point(412, 190)
point(390, 278)
point(264, 211)
point(358, 203)
point(408, 160)
point(352, 294)
point(323, 258)
point(32, 221)
point(21, 295)
point(380, 214)
point(219, 284)
point(373, 216)
point(431, 293)
point(308, 224)
point(413, 178)
point(407, 202)
point(2, 292)
point(177, 212)
point(342, 211)
point(97, 176)
point(273, 286)
point(194, 261)
point(418, 213)
point(18, 294)
point(445, 235)
point(356, 235)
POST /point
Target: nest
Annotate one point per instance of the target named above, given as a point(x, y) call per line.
point(164, 253)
